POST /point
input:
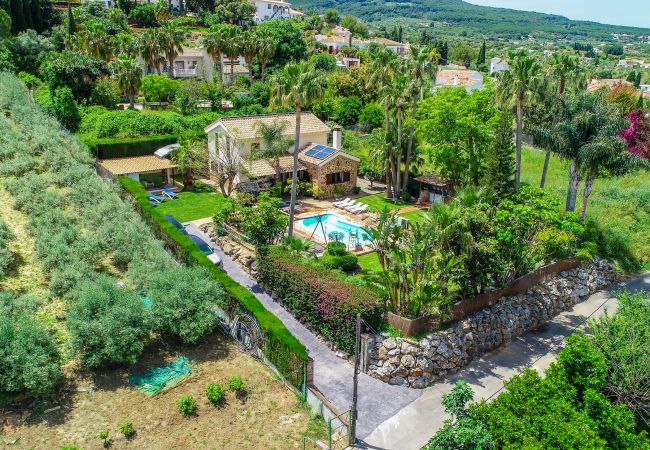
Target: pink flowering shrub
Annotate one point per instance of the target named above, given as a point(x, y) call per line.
point(318, 296)
point(637, 135)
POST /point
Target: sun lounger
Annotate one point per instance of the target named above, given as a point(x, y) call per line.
point(343, 205)
point(342, 202)
point(360, 210)
point(153, 203)
point(156, 198)
point(353, 205)
point(169, 193)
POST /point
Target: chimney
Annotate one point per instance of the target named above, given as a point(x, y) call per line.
point(336, 137)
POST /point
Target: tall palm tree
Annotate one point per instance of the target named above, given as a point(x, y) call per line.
point(266, 48)
point(149, 44)
point(128, 73)
point(213, 45)
point(400, 94)
point(298, 85)
point(231, 36)
point(125, 43)
point(422, 63)
point(249, 43)
point(276, 144)
point(513, 89)
point(563, 68)
point(94, 39)
point(381, 71)
point(171, 43)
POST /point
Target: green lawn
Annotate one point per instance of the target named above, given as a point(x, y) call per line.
point(192, 205)
point(369, 262)
point(620, 206)
point(378, 202)
point(414, 216)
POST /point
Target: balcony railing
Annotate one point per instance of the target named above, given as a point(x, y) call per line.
point(184, 73)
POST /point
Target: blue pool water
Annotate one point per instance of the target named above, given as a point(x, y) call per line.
point(332, 222)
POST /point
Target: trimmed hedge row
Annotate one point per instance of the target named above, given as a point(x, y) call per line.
point(280, 346)
point(122, 148)
point(318, 295)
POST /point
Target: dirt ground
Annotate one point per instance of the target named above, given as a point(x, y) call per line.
point(270, 416)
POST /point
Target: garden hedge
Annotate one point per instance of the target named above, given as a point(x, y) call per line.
point(280, 347)
point(122, 148)
point(318, 295)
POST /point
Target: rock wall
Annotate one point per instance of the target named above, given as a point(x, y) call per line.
point(418, 364)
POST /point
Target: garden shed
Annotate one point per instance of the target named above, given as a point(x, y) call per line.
point(150, 170)
point(434, 189)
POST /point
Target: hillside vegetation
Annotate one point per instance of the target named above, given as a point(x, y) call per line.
point(619, 207)
point(472, 19)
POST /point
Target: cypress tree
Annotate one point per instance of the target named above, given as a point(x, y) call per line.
point(631, 77)
point(481, 55)
point(637, 80)
point(639, 103)
point(400, 34)
point(500, 159)
point(17, 17)
point(27, 14)
point(71, 25)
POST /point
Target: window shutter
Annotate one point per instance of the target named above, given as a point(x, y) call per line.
point(329, 178)
point(346, 176)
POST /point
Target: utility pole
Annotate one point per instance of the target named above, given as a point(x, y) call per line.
point(355, 382)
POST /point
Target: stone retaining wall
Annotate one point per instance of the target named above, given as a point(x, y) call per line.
point(418, 364)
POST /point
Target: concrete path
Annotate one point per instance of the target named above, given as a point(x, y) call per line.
point(378, 401)
point(414, 425)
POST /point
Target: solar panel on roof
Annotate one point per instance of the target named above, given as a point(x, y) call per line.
point(320, 151)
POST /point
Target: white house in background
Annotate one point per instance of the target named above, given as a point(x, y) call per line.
point(195, 62)
point(498, 65)
point(342, 37)
point(273, 9)
point(397, 47)
point(469, 79)
point(631, 63)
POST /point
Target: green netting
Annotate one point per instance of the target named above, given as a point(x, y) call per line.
point(154, 380)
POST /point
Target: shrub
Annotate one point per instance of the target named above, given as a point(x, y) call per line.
point(6, 257)
point(348, 111)
point(371, 117)
point(106, 93)
point(214, 392)
point(346, 263)
point(145, 15)
point(336, 248)
point(235, 383)
point(318, 296)
point(183, 300)
point(339, 190)
point(127, 429)
point(158, 88)
point(186, 405)
point(107, 324)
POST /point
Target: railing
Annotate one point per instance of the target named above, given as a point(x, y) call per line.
point(184, 73)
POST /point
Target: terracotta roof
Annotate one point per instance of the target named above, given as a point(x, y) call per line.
point(384, 41)
point(302, 156)
point(243, 127)
point(136, 164)
point(433, 180)
point(608, 83)
point(264, 167)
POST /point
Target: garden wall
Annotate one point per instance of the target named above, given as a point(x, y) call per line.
point(415, 364)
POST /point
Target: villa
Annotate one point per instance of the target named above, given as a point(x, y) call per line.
point(342, 37)
point(469, 79)
point(273, 9)
point(325, 166)
point(607, 83)
point(498, 65)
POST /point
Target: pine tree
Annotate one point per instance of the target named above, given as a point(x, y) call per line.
point(481, 55)
point(500, 159)
point(71, 24)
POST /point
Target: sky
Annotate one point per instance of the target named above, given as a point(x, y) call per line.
point(615, 12)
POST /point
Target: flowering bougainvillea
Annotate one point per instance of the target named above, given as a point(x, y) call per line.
point(637, 135)
point(318, 296)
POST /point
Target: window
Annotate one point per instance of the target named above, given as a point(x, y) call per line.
point(255, 146)
point(337, 177)
point(268, 6)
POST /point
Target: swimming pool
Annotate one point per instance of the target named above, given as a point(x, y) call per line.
point(201, 244)
point(333, 222)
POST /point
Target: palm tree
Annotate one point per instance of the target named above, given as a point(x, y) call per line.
point(151, 49)
point(231, 41)
point(400, 94)
point(276, 144)
point(94, 39)
point(563, 67)
point(422, 63)
point(513, 89)
point(191, 155)
point(125, 43)
point(297, 85)
point(213, 45)
point(381, 71)
point(128, 73)
point(171, 43)
point(250, 41)
point(266, 48)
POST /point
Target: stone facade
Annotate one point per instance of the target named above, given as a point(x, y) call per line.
point(419, 364)
point(318, 174)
